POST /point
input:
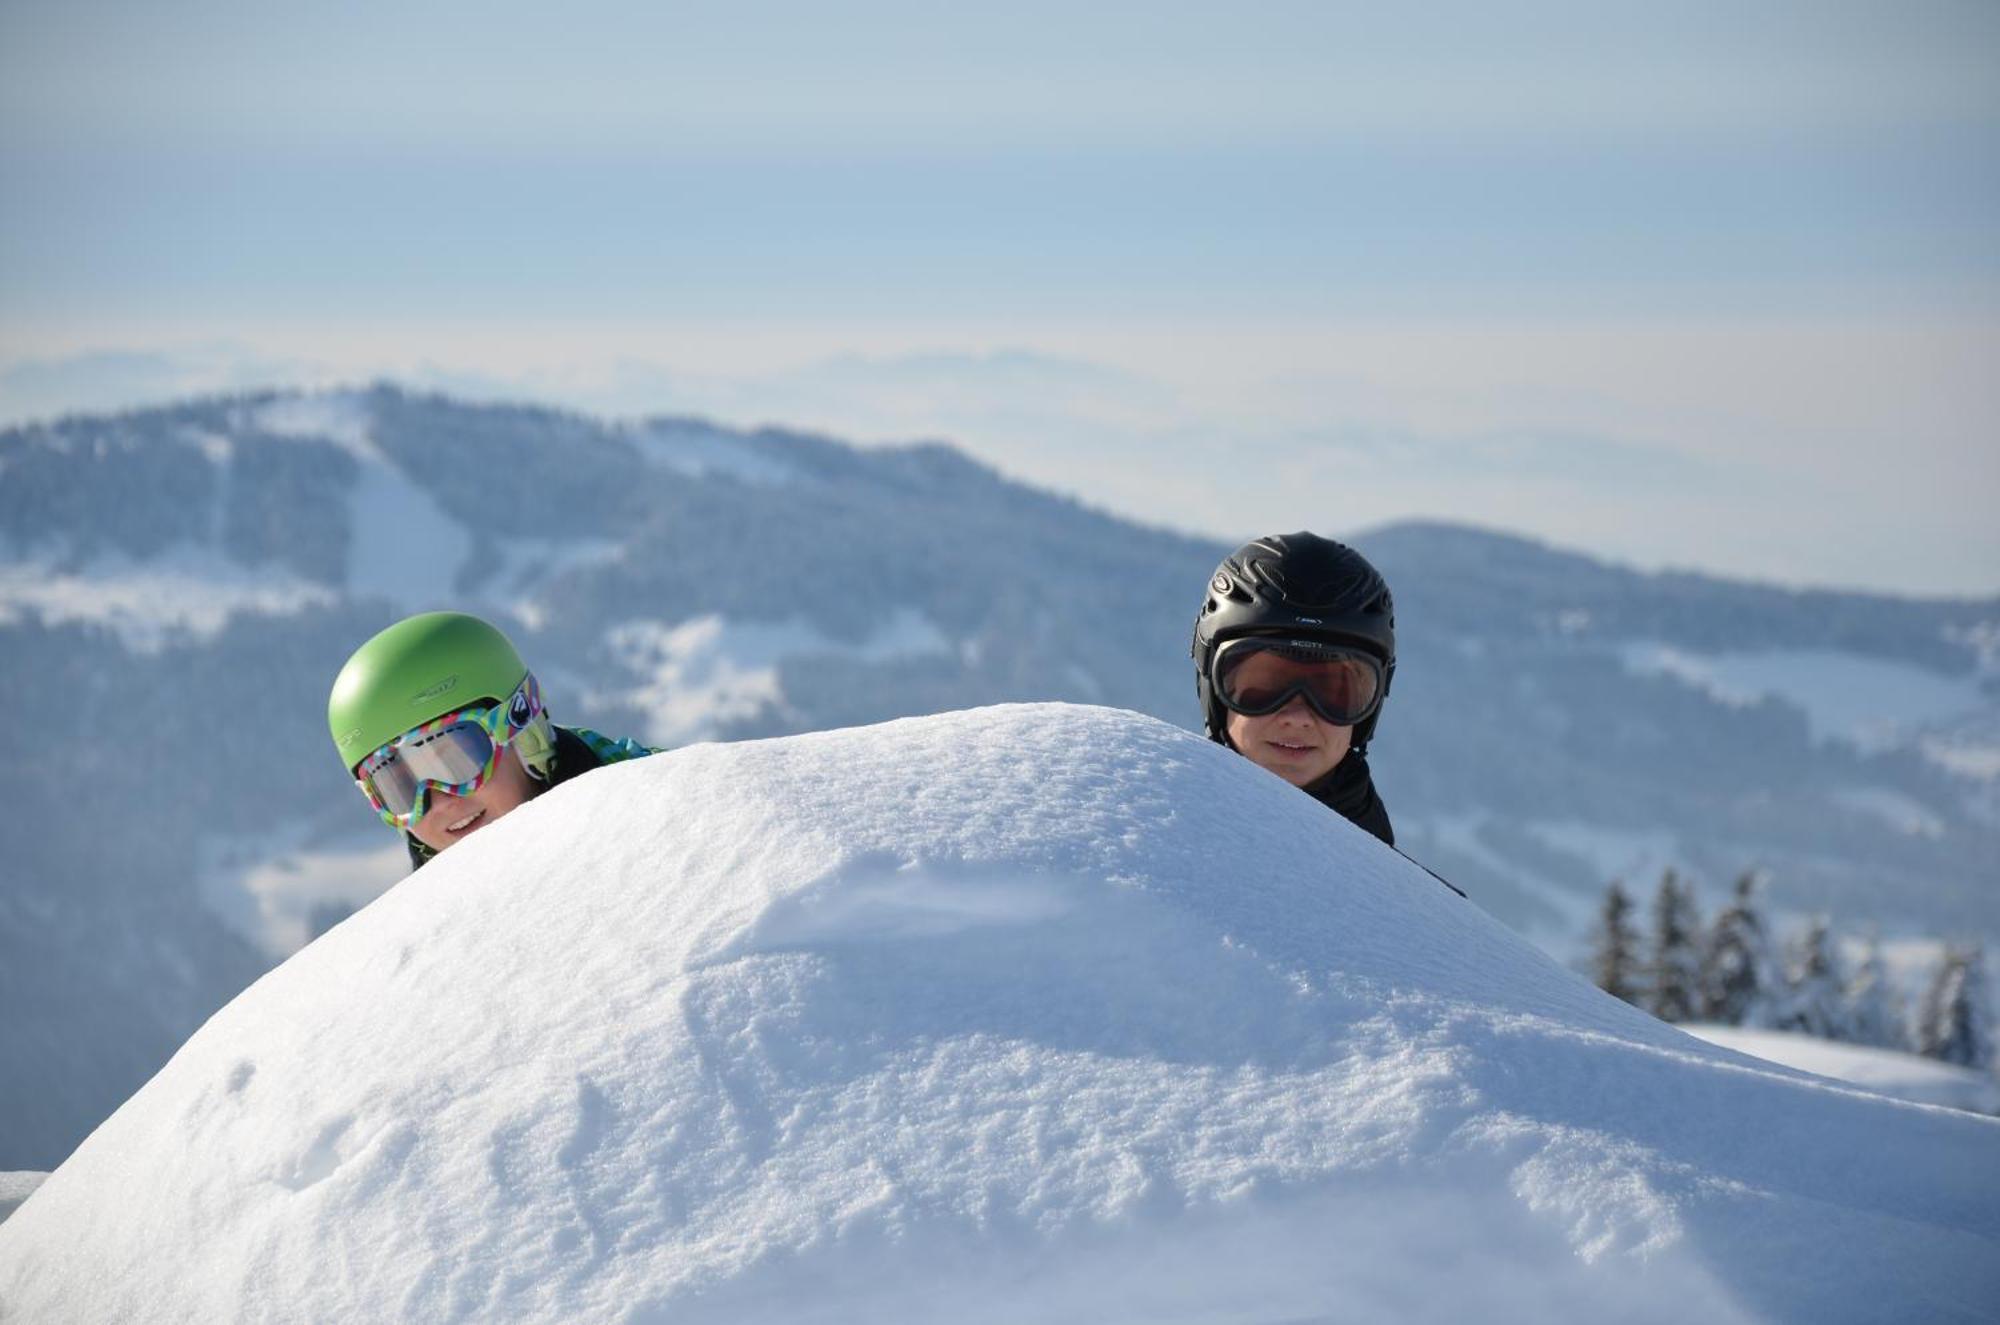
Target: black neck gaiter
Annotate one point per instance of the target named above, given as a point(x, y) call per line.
point(1349, 791)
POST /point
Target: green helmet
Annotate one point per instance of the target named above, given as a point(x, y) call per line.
point(419, 668)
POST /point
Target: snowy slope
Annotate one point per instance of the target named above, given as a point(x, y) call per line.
point(1906, 1076)
point(1027, 1013)
point(1904, 702)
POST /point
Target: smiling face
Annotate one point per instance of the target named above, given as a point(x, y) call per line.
point(449, 818)
point(1295, 743)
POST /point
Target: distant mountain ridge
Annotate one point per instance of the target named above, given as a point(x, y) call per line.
point(177, 586)
point(1696, 608)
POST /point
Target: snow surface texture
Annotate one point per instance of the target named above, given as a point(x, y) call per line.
point(1036, 1013)
point(1891, 1071)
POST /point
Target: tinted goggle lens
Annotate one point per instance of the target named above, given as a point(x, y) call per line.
point(1259, 676)
point(455, 753)
point(449, 757)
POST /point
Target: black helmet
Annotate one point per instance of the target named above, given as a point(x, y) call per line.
point(1297, 585)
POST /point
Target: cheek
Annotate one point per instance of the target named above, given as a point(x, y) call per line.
point(430, 831)
point(511, 786)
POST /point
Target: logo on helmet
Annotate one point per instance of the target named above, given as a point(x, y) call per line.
point(443, 687)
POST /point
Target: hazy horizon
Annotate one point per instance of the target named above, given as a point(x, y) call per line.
point(1707, 288)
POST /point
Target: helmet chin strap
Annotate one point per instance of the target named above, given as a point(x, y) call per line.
point(1218, 724)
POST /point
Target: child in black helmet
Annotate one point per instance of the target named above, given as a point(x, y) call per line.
point(1293, 651)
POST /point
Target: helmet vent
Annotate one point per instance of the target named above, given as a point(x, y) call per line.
point(1311, 591)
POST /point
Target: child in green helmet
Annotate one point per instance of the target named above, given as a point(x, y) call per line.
point(442, 727)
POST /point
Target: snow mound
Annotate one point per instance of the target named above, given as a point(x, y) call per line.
point(1029, 1013)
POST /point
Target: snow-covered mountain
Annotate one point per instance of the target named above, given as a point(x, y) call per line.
point(178, 585)
point(977, 1017)
point(1904, 1075)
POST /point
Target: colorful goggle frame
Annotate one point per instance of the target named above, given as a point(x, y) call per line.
point(456, 753)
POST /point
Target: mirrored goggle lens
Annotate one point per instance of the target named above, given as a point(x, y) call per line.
point(449, 757)
point(1255, 677)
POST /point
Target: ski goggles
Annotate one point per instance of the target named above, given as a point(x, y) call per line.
point(455, 753)
point(1259, 674)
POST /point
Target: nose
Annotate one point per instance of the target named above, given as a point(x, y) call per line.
point(1296, 710)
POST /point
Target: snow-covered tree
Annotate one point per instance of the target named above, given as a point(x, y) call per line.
point(1814, 999)
point(1739, 974)
point(1674, 963)
point(1875, 1011)
point(1614, 960)
point(1956, 1022)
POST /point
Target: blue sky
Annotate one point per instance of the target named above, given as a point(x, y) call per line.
point(1603, 273)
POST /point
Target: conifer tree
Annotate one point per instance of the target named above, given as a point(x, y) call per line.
point(1614, 961)
point(1956, 1022)
point(1813, 1000)
point(1875, 1011)
point(1674, 964)
point(1739, 975)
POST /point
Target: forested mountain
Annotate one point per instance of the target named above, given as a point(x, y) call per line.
point(178, 586)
